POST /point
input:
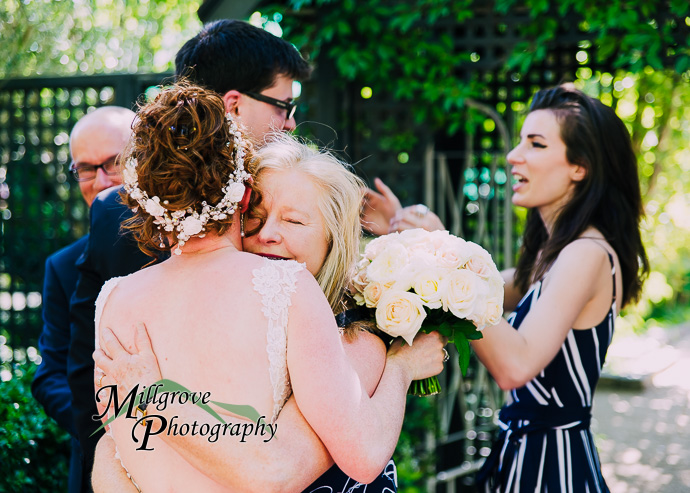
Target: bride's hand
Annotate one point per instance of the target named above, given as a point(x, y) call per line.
point(424, 358)
point(128, 369)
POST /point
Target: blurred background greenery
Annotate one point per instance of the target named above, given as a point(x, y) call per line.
point(392, 47)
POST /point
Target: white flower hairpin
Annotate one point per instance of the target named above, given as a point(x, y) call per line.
point(190, 222)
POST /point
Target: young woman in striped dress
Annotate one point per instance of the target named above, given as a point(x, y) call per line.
point(582, 260)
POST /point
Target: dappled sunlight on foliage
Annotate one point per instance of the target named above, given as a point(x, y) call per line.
point(63, 37)
point(403, 53)
point(655, 105)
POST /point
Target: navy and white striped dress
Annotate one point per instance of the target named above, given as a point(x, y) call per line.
point(545, 443)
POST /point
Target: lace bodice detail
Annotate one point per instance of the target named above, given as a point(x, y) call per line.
point(275, 281)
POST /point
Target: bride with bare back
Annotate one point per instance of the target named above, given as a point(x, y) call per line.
point(242, 328)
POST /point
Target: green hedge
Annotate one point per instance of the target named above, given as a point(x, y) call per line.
point(34, 451)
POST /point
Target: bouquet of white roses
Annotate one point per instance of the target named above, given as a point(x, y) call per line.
point(430, 281)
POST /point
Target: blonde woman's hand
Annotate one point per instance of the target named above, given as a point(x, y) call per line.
point(423, 359)
point(126, 369)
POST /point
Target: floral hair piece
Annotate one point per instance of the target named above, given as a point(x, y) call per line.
point(190, 222)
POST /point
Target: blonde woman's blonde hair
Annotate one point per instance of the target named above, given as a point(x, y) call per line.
point(340, 201)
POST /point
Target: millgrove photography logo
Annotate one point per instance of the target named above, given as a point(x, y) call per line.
point(141, 405)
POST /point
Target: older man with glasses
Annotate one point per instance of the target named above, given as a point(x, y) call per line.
point(95, 142)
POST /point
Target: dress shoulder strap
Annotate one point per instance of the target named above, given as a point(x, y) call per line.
point(275, 281)
point(613, 275)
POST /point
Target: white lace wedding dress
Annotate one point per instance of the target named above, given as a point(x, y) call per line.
point(275, 281)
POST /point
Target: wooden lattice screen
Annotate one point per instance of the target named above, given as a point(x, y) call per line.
point(41, 209)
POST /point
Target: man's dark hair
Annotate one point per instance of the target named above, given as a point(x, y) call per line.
point(230, 54)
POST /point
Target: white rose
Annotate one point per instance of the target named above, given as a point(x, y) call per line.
point(480, 261)
point(496, 287)
point(372, 293)
point(388, 264)
point(494, 311)
point(487, 311)
point(438, 238)
point(400, 314)
point(191, 226)
point(153, 206)
point(418, 263)
point(452, 252)
point(359, 281)
point(423, 259)
point(459, 293)
point(377, 245)
point(363, 263)
point(235, 192)
point(428, 286)
point(413, 237)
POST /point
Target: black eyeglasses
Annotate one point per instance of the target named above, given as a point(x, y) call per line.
point(86, 172)
point(289, 106)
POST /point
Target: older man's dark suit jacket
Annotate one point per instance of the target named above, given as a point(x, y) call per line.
point(109, 253)
point(50, 386)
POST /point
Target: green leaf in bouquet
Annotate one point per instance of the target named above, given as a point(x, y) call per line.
point(469, 330)
point(463, 347)
point(443, 328)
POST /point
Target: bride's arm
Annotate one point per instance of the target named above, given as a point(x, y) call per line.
point(297, 447)
point(108, 474)
point(230, 463)
point(359, 432)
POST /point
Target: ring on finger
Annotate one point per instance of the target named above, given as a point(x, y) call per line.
point(420, 210)
point(446, 356)
point(100, 380)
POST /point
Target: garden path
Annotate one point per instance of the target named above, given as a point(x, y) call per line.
point(642, 412)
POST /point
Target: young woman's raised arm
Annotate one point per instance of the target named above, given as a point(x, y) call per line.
point(512, 294)
point(580, 275)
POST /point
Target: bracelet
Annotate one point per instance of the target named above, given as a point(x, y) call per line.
point(141, 408)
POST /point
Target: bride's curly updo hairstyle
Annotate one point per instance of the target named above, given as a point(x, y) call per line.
point(183, 168)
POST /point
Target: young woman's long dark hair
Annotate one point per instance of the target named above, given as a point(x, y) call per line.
point(608, 199)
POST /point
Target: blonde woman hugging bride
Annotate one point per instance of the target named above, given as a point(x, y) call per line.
point(257, 330)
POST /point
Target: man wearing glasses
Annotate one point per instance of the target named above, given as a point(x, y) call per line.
point(252, 70)
point(95, 142)
point(264, 112)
